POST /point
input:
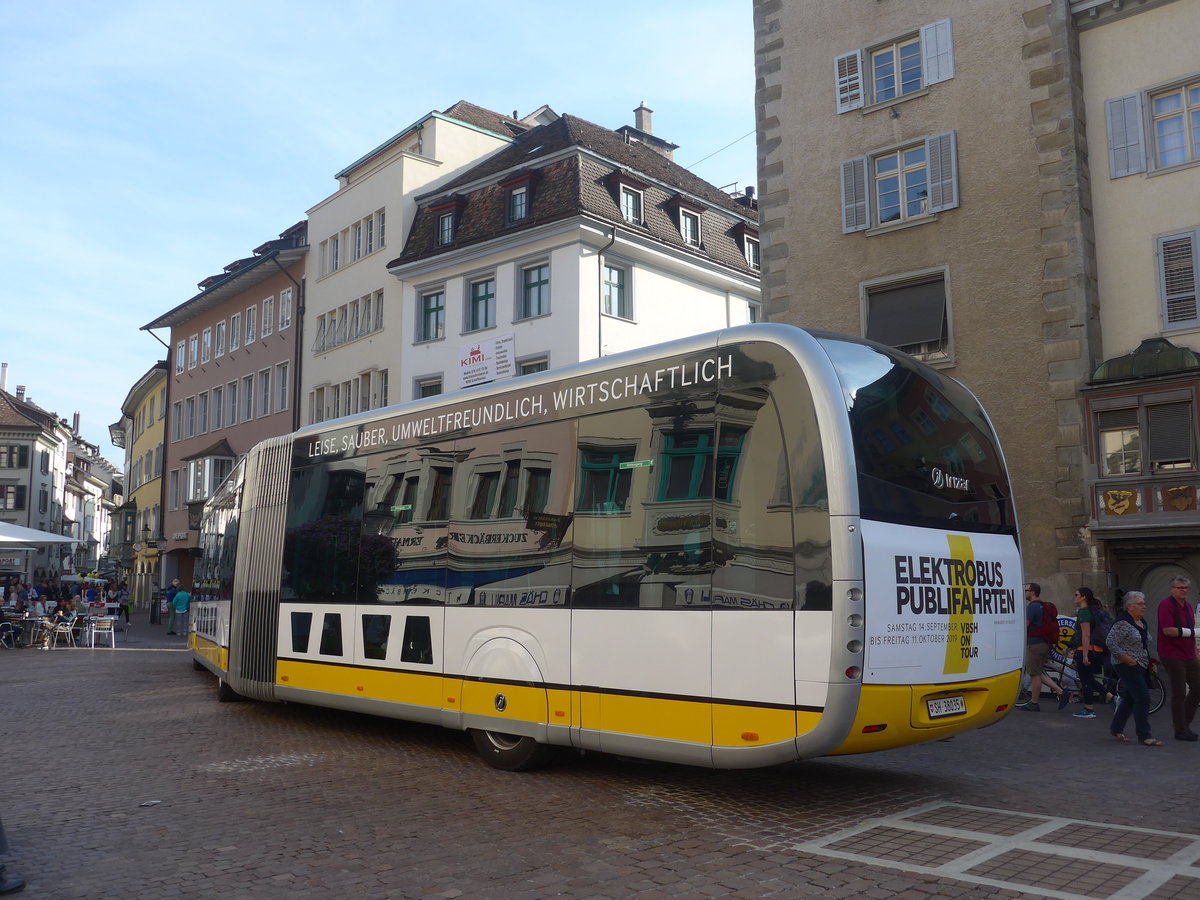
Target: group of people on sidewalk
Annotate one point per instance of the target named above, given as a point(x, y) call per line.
point(1123, 643)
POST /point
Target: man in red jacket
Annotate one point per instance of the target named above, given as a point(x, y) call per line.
point(1177, 650)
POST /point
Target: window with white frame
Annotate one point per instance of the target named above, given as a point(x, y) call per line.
point(268, 316)
point(206, 345)
point(753, 251)
point(910, 314)
point(631, 205)
point(264, 392)
point(900, 184)
point(235, 331)
point(176, 420)
point(219, 340)
point(202, 412)
point(356, 239)
point(896, 68)
point(617, 301)
point(1154, 129)
point(428, 387)
point(251, 325)
point(445, 229)
point(285, 308)
point(316, 406)
point(247, 398)
point(1156, 435)
point(231, 402)
point(536, 364)
point(535, 291)
point(319, 340)
point(205, 475)
point(1177, 256)
point(189, 417)
point(481, 305)
point(282, 386)
point(180, 357)
point(518, 203)
point(218, 407)
point(431, 324)
point(193, 351)
point(173, 489)
point(689, 228)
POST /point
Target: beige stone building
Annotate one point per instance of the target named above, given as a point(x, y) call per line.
point(935, 176)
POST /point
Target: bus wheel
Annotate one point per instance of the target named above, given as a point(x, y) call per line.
point(511, 752)
point(225, 693)
point(196, 664)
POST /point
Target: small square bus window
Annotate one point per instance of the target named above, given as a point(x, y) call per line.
point(331, 635)
point(375, 636)
point(418, 645)
point(301, 627)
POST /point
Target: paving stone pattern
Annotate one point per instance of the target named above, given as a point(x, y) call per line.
point(124, 777)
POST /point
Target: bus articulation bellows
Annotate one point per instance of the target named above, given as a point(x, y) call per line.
point(740, 549)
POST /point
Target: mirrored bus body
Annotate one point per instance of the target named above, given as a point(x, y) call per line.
point(735, 550)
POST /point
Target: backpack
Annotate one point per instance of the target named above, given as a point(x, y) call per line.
point(1049, 627)
point(1101, 625)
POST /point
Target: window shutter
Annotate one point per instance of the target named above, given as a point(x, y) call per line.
point(848, 77)
point(1177, 279)
point(937, 52)
point(1126, 153)
point(1169, 429)
point(942, 152)
point(856, 215)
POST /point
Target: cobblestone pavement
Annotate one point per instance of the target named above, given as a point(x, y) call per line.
point(124, 777)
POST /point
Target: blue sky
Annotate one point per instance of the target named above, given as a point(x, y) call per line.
point(145, 145)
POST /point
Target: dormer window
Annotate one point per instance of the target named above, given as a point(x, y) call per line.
point(518, 203)
point(445, 216)
point(751, 249)
point(753, 253)
point(445, 229)
point(689, 228)
point(631, 205)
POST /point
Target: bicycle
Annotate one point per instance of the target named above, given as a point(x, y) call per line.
point(1109, 682)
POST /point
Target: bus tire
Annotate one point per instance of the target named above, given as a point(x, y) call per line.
point(511, 752)
point(197, 665)
point(226, 694)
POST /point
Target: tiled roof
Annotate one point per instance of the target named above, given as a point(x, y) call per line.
point(484, 118)
point(580, 183)
point(15, 413)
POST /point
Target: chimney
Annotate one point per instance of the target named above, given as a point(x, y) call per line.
point(75, 424)
point(641, 118)
point(3, 376)
point(21, 392)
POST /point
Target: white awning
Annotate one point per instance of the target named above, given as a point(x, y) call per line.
point(11, 535)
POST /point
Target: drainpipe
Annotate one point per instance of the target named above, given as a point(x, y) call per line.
point(600, 292)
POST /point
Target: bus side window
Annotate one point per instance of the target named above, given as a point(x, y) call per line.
point(418, 644)
point(375, 636)
point(331, 635)
point(301, 628)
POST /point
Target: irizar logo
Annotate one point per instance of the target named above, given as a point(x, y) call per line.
point(942, 479)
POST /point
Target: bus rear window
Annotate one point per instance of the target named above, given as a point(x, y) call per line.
point(925, 452)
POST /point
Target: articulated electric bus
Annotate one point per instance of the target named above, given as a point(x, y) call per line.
point(740, 549)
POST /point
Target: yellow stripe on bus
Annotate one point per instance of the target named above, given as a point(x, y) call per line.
point(375, 684)
point(212, 651)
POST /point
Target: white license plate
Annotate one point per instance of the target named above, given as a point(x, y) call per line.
point(940, 707)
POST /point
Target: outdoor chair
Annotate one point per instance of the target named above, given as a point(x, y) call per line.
point(105, 628)
point(61, 631)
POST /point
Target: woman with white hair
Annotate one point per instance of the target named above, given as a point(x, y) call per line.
point(1129, 644)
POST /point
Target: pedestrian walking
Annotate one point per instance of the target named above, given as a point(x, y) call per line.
point(1129, 644)
point(1177, 650)
point(1041, 619)
point(1092, 625)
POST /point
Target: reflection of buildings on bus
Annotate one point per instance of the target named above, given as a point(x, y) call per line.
point(683, 500)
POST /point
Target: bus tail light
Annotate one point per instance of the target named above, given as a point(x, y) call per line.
point(853, 672)
point(873, 729)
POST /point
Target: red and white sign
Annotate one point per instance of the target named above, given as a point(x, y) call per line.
point(11, 562)
point(489, 360)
